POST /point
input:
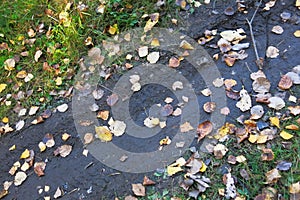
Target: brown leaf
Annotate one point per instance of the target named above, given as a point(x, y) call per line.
point(138, 189)
point(231, 159)
point(209, 107)
point(229, 83)
point(174, 62)
point(272, 176)
point(267, 155)
point(285, 82)
point(204, 129)
point(103, 114)
point(261, 85)
point(63, 150)
point(148, 181)
point(39, 168)
point(112, 99)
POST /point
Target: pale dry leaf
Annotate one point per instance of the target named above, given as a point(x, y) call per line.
point(112, 99)
point(261, 85)
point(88, 138)
point(136, 87)
point(177, 112)
point(218, 82)
point(138, 189)
point(206, 92)
point(272, 52)
point(20, 178)
point(62, 108)
point(220, 150)
point(168, 100)
point(151, 122)
point(285, 82)
point(118, 128)
point(134, 79)
point(276, 103)
point(245, 103)
point(186, 127)
point(143, 51)
point(153, 57)
point(185, 45)
point(177, 85)
point(257, 112)
point(58, 193)
point(277, 29)
point(255, 75)
point(272, 176)
point(209, 107)
point(63, 150)
point(225, 111)
point(19, 125)
point(98, 94)
point(37, 55)
point(33, 110)
point(232, 35)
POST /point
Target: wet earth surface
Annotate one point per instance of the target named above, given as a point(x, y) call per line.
point(84, 177)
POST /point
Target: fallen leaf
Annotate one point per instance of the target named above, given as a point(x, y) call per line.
point(257, 112)
point(231, 35)
point(285, 82)
point(103, 133)
point(95, 56)
point(143, 51)
point(165, 141)
point(295, 187)
point(272, 52)
point(117, 128)
point(225, 111)
point(218, 82)
point(295, 110)
point(209, 107)
point(65, 136)
point(2, 86)
point(261, 85)
point(155, 42)
point(138, 189)
point(154, 17)
point(174, 62)
point(185, 45)
point(241, 159)
point(245, 103)
point(204, 129)
point(9, 64)
point(39, 168)
point(20, 178)
point(297, 33)
point(48, 140)
point(98, 94)
point(186, 127)
point(104, 114)
point(230, 186)
point(25, 167)
point(272, 176)
point(231, 159)
point(21, 74)
point(134, 79)
point(277, 29)
point(112, 99)
point(58, 193)
point(33, 110)
point(224, 45)
point(275, 121)
point(173, 169)
point(25, 154)
point(148, 181)
point(153, 57)
point(206, 92)
point(63, 150)
point(62, 108)
point(284, 166)
point(19, 125)
point(166, 110)
point(285, 135)
point(13, 147)
point(88, 138)
point(177, 85)
point(229, 83)
point(151, 122)
point(276, 102)
point(42, 146)
point(85, 152)
point(267, 155)
point(219, 151)
point(37, 55)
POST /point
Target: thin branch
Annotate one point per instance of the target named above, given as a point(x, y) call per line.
point(259, 60)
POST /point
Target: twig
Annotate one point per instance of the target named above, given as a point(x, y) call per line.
point(259, 61)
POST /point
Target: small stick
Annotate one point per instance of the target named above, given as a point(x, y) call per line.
point(259, 61)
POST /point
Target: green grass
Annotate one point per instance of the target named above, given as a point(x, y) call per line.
point(62, 46)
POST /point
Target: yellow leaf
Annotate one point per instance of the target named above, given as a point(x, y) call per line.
point(58, 81)
point(155, 42)
point(297, 33)
point(241, 158)
point(151, 22)
point(25, 154)
point(297, 3)
point(103, 133)
point(261, 139)
point(203, 167)
point(21, 74)
point(13, 147)
point(253, 138)
point(2, 86)
point(275, 121)
point(295, 188)
point(285, 135)
point(165, 141)
point(171, 170)
point(113, 29)
point(42, 146)
point(5, 120)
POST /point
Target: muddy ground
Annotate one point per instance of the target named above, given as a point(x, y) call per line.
point(85, 177)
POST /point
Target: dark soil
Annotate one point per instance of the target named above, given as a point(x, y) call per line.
point(76, 174)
